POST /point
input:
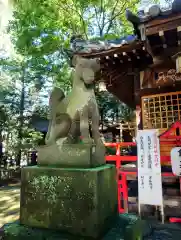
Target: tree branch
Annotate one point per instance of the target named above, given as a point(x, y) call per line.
point(114, 16)
point(98, 19)
point(103, 16)
point(69, 8)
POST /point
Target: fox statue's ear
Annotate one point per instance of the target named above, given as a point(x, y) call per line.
point(80, 61)
point(77, 60)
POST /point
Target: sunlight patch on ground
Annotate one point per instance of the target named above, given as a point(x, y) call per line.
point(9, 204)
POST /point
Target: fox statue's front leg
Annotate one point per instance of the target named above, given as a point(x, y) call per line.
point(94, 113)
point(59, 128)
point(84, 125)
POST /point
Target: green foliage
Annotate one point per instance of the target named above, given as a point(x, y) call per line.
point(17, 106)
point(3, 117)
point(40, 32)
point(63, 78)
point(37, 22)
point(111, 109)
point(31, 19)
point(126, 113)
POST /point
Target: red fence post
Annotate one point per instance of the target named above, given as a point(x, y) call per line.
point(125, 192)
point(122, 184)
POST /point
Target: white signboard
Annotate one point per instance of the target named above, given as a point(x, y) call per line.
point(176, 160)
point(149, 168)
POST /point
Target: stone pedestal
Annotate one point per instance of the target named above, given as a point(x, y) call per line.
point(127, 227)
point(71, 155)
point(79, 201)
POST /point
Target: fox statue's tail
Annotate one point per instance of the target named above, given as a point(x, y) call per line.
point(57, 95)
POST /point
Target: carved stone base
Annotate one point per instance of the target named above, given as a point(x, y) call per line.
point(79, 201)
point(126, 226)
point(71, 155)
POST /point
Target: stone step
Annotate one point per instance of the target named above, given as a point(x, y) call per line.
point(172, 207)
point(168, 201)
point(133, 190)
point(171, 192)
point(168, 180)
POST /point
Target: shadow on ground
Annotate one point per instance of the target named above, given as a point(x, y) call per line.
point(9, 204)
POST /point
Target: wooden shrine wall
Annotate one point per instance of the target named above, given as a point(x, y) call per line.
point(161, 75)
point(159, 111)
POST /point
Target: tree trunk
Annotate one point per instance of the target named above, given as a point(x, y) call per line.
point(7, 142)
point(21, 119)
point(1, 147)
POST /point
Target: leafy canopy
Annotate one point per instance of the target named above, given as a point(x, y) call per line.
point(43, 27)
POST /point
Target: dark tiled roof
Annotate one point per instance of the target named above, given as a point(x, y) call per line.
point(80, 46)
point(162, 12)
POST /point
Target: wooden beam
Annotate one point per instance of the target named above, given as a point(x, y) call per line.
point(162, 37)
point(142, 31)
point(167, 89)
point(137, 86)
point(179, 35)
point(162, 65)
point(138, 117)
point(165, 20)
point(124, 58)
point(165, 53)
point(136, 79)
point(149, 48)
point(177, 58)
point(121, 89)
point(162, 27)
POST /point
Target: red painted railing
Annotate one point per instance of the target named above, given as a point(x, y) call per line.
point(122, 184)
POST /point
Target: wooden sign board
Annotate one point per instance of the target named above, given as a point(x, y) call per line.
point(149, 168)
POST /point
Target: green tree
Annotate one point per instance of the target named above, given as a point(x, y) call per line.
point(17, 101)
point(51, 23)
point(111, 109)
point(40, 32)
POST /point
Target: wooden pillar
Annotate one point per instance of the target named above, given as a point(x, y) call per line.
point(178, 64)
point(162, 37)
point(179, 35)
point(137, 86)
point(177, 58)
point(137, 99)
point(141, 79)
point(138, 117)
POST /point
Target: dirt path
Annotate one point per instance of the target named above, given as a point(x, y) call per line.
point(9, 204)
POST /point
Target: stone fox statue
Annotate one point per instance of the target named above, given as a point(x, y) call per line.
point(70, 115)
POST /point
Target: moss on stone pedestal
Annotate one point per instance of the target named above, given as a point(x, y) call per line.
point(127, 227)
point(79, 201)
